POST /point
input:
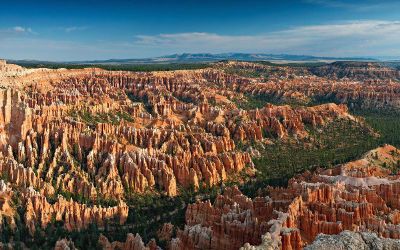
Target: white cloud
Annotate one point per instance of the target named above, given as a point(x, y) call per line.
point(16, 31)
point(75, 28)
point(357, 37)
point(20, 29)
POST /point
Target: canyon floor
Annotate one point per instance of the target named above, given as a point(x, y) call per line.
point(226, 155)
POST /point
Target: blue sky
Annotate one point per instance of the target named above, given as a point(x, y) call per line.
point(96, 29)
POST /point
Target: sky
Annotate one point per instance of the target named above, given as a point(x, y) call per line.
point(96, 29)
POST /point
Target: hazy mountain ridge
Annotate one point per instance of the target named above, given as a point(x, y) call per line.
point(208, 57)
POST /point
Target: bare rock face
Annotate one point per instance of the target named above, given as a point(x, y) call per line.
point(357, 196)
point(82, 134)
point(357, 84)
point(132, 243)
point(64, 244)
point(235, 220)
point(9, 69)
point(353, 240)
point(75, 216)
point(76, 144)
point(166, 232)
point(356, 70)
point(7, 210)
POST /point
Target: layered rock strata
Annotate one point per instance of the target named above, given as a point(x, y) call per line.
point(357, 196)
point(76, 144)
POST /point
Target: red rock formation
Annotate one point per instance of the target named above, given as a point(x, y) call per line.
point(64, 244)
point(166, 232)
point(347, 197)
point(165, 143)
point(74, 215)
point(99, 136)
point(132, 243)
point(357, 70)
point(379, 94)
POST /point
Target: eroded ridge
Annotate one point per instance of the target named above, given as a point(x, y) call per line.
point(76, 143)
point(361, 196)
point(359, 85)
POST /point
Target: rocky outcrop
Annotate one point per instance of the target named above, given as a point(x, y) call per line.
point(86, 132)
point(235, 220)
point(356, 71)
point(357, 196)
point(166, 231)
point(353, 240)
point(132, 243)
point(76, 144)
point(368, 94)
point(74, 215)
point(7, 210)
point(64, 244)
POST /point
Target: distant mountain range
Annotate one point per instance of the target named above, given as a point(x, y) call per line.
point(207, 57)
